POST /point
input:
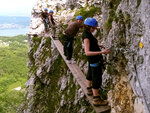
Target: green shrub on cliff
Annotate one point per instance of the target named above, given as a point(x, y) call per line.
point(88, 11)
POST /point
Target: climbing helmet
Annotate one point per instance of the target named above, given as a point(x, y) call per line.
point(51, 11)
point(79, 17)
point(45, 9)
point(91, 22)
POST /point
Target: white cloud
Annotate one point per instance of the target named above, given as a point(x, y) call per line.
point(16, 7)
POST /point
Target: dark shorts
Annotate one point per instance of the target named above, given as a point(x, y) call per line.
point(95, 75)
point(68, 46)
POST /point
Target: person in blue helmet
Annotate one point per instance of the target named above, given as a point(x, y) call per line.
point(69, 35)
point(44, 17)
point(52, 23)
point(95, 60)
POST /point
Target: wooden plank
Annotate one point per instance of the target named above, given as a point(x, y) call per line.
point(80, 77)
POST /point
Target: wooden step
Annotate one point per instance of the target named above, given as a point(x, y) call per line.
point(80, 78)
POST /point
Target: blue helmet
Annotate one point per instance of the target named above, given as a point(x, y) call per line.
point(51, 11)
point(79, 18)
point(91, 22)
point(45, 9)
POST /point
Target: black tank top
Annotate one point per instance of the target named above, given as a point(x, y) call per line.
point(52, 19)
point(44, 15)
point(93, 47)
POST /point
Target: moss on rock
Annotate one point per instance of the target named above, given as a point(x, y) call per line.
point(138, 3)
point(88, 11)
point(112, 6)
point(50, 98)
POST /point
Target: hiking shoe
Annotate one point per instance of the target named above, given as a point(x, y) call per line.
point(72, 61)
point(65, 55)
point(55, 38)
point(89, 91)
point(69, 61)
point(98, 101)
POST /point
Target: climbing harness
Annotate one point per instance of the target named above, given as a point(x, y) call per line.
point(47, 20)
point(94, 65)
point(68, 44)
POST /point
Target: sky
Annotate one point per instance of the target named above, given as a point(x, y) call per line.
point(16, 7)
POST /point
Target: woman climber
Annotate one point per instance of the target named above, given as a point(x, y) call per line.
point(95, 59)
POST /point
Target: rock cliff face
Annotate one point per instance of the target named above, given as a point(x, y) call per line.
point(125, 29)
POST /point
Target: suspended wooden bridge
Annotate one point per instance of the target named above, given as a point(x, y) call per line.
point(80, 78)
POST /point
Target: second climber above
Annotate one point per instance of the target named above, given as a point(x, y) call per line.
point(44, 17)
point(52, 24)
point(69, 35)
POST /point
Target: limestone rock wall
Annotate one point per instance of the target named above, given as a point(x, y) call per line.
point(126, 32)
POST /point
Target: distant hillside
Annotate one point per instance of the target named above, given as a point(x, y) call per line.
point(13, 25)
point(13, 72)
point(25, 21)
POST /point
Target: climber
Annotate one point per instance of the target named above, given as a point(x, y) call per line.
point(44, 17)
point(69, 35)
point(95, 60)
point(52, 23)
